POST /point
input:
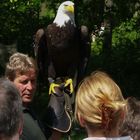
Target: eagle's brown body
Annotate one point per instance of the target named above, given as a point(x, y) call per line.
point(64, 50)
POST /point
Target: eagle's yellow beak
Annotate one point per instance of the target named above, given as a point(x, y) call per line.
point(70, 8)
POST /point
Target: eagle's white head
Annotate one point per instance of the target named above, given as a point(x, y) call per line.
point(65, 13)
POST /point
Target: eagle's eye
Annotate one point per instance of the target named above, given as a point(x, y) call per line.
point(65, 5)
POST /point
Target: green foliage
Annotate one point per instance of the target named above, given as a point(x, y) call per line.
point(126, 55)
point(123, 62)
point(127, 31)
point(49, 13)
point(97, 46)
point(18, 22)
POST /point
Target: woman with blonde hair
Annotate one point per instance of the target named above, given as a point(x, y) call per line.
point(100, 107)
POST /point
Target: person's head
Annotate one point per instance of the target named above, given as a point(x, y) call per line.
point(131, 124)
point(21, 69)
point(10, 111)
point(99, 103)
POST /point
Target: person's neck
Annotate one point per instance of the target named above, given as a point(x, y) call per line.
point(25, 105)
point(102, 133)
point(15, 137)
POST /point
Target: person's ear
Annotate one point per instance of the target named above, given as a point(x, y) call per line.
point(20, 127)
point(82, 121)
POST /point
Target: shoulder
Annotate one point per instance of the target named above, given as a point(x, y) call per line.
point(95, 138)
point(31, 128)
point(51, 27)
point(104, 138)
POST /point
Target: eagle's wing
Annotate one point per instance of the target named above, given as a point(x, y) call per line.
point(85, 48)
point(41, 54)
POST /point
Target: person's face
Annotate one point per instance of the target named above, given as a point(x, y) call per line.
point(26, 84)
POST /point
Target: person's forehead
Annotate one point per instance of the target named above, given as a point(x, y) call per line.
point(29, 73)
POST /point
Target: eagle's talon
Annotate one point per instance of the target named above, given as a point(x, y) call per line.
point(69, 83)
point(52, 88)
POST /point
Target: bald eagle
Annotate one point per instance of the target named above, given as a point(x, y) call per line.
point(63, 49)
point(62, 52)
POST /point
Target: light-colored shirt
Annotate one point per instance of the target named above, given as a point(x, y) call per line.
point(104, 138)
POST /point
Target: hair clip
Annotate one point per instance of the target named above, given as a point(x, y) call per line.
point(106, 117)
